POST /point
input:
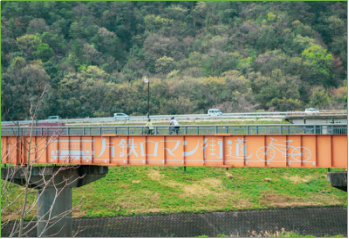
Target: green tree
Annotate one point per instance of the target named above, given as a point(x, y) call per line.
point(44, 52)
point(318, 61)
point(164, 65)
point(285, 104)
point(319, 98)
point(25, 84)
point(28, 44)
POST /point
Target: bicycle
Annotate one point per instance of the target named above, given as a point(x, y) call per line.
point(173, 130)
point(298, 154)
point(147, 131)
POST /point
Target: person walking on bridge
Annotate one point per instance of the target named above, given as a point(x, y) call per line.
point(149, 126)
point(175, 126)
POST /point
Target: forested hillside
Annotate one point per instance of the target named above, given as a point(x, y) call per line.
point(90, 57)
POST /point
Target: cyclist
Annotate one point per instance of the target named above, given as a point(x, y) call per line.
point(175, 124)
point(150, 127)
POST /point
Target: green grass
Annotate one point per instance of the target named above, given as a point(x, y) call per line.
point(144, 190)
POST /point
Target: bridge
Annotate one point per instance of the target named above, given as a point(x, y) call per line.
point(317, 119)
point(206, 145)
point(94, 149)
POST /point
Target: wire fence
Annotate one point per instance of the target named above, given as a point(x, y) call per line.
point(182, 130)
point(318, 221)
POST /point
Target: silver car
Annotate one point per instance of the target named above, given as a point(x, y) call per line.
point(214, 112)
point(54, 119)
point(311, 111)
point(121, 116)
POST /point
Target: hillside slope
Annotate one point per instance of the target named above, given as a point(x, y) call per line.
point(90, 57)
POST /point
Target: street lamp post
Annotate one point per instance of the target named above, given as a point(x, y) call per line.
point(146, 80)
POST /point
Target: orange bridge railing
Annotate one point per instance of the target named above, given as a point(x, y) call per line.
point(309, 151)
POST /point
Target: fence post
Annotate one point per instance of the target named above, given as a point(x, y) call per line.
point(100, 130)
point(257, 129)
point(280, 129)
point(185, 130)
point(128, 130)
point(226, 129)
point(83, 128)
point(216, 129)
point(156, 130)
point(197, 129)
point(288, 129)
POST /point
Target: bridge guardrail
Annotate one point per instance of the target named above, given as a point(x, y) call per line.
point(189, 116)
point(183, 130)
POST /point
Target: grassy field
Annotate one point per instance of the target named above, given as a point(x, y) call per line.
point(144, 190)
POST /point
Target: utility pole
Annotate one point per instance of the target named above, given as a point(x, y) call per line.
point(146, 80)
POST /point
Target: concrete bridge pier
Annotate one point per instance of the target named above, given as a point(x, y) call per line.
point(54, 185)
point(338, 179)
point(61, 221)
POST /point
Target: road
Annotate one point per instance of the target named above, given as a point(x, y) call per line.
point(225, 116)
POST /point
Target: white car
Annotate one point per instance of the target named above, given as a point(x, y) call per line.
point(214, 112)
point(311, 111)
point(121, 116)
point(54, 119)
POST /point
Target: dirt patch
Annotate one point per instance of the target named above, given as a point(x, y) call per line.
point(125, 186)
point(210, 191)
point(149, 210)
point(243, 203)
point(173, 184)
point(155, 175)
point(299, 179)
point(271, 198)
point(146, 193)
point(155, 197)
point(196, 190)
point(328, 200)
point(217, 183)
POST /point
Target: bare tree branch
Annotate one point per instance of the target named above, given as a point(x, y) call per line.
point(17, 205)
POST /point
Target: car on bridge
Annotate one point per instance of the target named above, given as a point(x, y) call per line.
point(214, 112)
point(54, 119)
point(311, 111)
point(121, 116)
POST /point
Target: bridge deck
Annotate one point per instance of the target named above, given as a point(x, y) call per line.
point(220, 150)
